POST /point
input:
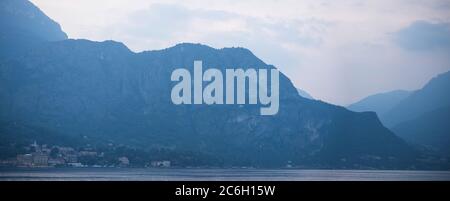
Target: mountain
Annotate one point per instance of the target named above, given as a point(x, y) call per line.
point(101, 89)
point(420, 117)
point(304, 94)
point(104, 91)
point(430, 129)
point(434, 95)
point(379, 103)
point(24, 25)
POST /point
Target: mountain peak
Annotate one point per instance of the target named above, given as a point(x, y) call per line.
point(198, 47)
point(190, 45)
point(114, 44)
point(22, 26)
point(24, 16)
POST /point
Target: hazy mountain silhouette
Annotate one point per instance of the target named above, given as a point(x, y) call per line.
point(420, 117)
point(304, 94)
point(379, 103)
point(104, 91)
point(434, 95)
point(430, 129)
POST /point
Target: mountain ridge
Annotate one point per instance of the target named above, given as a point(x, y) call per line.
point(432, 96)
point(380, 102)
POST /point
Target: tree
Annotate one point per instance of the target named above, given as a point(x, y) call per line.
point(54, 152)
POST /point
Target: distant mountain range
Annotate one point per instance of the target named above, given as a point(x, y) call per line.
point(304, 94)
point(106, 92)
point(434, 95)
point(379, 103)
point(419, 117)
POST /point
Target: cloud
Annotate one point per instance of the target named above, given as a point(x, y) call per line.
point(423, 35)
point(165, 24)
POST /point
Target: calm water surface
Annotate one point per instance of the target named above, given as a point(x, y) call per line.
point(125, 174)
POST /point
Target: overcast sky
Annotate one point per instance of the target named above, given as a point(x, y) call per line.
point(338, 51)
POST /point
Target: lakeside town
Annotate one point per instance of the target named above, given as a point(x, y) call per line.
point(41, 156)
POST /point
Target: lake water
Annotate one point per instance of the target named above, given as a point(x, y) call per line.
point(125, 174)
